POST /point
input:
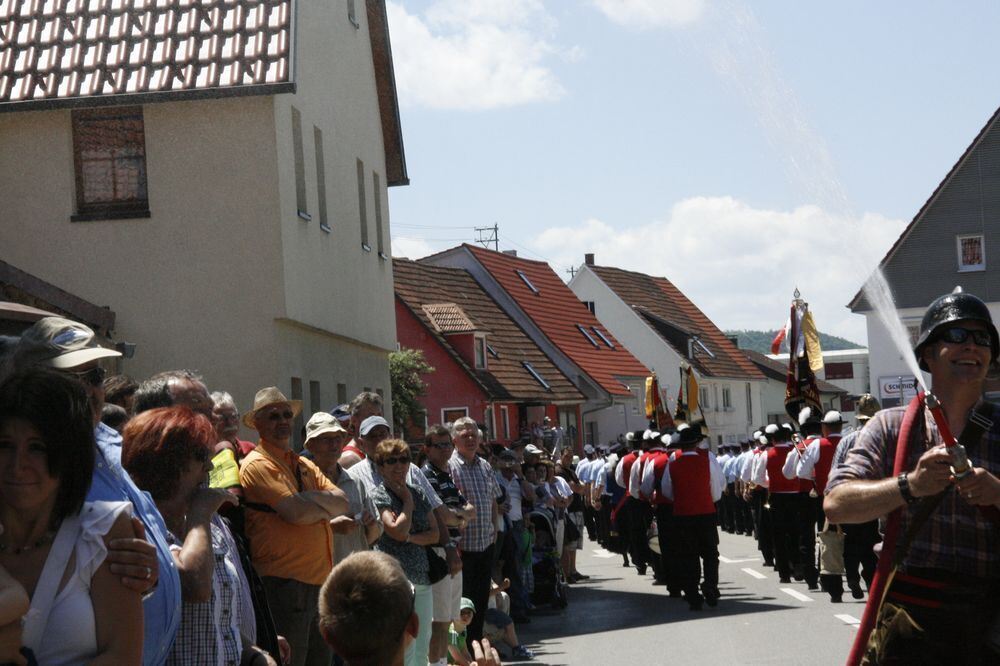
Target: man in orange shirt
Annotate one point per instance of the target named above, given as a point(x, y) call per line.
point(291, 504)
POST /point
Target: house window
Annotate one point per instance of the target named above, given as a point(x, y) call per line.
point(452, 414)
point(504, 423)
point(488, 422)
point(480, 345)
point(377, 191)
point(352, 13)
point(493, 352)
point(315, 397)
point(971, 253)
point(603, 337)
point(524, 278)
point(727, 399)
point(362, 207)
point(300, 166)
point(109, 155)
point(703, 397)
point(913, 329)
point(297, 425)
point(534, 373)
point(590, 306)
point(847, 403)
point(341, 394)
point(840, 370)
point(324, 222)
point(749, 405)
point(587, 335)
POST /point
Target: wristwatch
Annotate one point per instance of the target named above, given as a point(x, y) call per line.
point(904, 488)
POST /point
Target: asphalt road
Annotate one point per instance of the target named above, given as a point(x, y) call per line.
point(619, 617)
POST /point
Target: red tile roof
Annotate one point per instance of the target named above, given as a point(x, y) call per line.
point(556, 310)
point(506, 376)
point(448, 318)
point(675, 318)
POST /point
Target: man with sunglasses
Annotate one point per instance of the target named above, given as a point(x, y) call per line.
point(145, 562)
point(945, 593)
point(447, 591)
point(291, 504)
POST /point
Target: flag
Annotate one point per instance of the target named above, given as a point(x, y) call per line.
point(803, 355)
point(680, 414)
point(686, 409)
point(656, 411)
point(692, 382)
point(779, 338)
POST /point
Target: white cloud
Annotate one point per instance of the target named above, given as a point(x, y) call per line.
point(648, 14)
point(740, 264)
point(474, 54)
point(408, 247)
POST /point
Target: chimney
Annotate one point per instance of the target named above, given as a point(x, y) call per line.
point(589, 258)
point(512, 253)
point(735, 339)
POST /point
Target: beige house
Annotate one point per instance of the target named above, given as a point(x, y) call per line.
point(217, 176)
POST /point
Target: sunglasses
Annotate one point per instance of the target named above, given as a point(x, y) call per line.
point(392, 460)
point(441, 445)
point(281, 416)
point(957, 335)
point(93, 376)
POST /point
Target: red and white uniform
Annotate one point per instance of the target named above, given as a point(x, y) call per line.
point(694, 482)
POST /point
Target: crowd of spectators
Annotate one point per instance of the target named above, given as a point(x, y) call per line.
point(136, 526)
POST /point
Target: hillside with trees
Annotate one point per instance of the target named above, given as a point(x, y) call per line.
point(760, 341)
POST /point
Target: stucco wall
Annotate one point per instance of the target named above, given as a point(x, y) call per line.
point(194, 286)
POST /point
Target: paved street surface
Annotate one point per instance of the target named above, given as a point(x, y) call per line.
point(618, 617)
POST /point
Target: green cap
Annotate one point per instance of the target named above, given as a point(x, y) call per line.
point(467, 604)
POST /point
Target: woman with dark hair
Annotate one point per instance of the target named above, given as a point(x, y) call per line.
point(53, 543)
point(167, 451)
point(408, 528)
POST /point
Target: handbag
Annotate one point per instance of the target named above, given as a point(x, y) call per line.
point(437, 565)
point(831, 550)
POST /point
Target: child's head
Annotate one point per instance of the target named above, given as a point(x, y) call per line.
point(467, 610)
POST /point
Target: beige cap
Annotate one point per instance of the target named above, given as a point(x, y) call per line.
point(269, 396)
point(59, 343)
point(322, 423)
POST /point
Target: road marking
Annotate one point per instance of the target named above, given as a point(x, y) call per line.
point(726, 560)
point(756, 574)
point(848, 619)
point(601, 552)
point(795, 594)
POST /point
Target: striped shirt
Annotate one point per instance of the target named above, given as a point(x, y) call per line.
point(957, 536)
point(478, 484)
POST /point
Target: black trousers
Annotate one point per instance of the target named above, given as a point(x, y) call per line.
point(785, 519)
point(604, 521)
point(762, 523)
point(590, 521)
point(695, 543)
point(639, 517)
point(806, 528)
point(668, 565)
point(476, 567)
point(858, 543)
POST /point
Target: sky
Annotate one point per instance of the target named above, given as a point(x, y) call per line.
point(739, 150)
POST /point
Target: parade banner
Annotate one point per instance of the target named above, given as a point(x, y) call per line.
point(804, 356)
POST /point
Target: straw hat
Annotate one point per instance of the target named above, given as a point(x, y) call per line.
point(322, 423)
point(266, 397)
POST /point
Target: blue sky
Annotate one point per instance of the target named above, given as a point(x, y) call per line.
point(739, 150)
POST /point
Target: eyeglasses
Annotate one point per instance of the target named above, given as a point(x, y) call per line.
point(957, 335)
point(93, 376)
point(392, 460)
point(279, 416)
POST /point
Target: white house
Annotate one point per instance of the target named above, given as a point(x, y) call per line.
point(216, 174)
point(664, 330)
point(846, 369)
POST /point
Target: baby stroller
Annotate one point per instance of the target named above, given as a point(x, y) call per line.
point(550, 584)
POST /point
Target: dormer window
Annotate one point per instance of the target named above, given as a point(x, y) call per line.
point(971, 253)
point(587, 335)
point(524, 278)
point(480, 350)
point(603, 337)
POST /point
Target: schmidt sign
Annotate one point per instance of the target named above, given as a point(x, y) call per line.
point(889, 387)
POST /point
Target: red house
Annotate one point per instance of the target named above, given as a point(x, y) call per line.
point(486, 367)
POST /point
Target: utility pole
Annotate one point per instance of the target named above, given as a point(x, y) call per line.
point(487, 235)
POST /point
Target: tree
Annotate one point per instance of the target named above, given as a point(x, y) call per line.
point(406, 370)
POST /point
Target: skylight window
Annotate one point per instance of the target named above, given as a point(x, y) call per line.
point(524, 278)
point(493, 352)
point(603, 337)
point(587, 335)
point(534, 373)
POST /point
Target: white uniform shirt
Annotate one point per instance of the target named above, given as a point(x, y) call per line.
point(806, 468)
point(759, 473)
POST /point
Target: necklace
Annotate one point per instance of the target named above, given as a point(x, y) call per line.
point(44, 540)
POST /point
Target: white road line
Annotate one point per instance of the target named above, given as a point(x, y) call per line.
point(848, 619)
point(795, 594)
point(756, 574)
point(726, 560)
point(601, 552)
